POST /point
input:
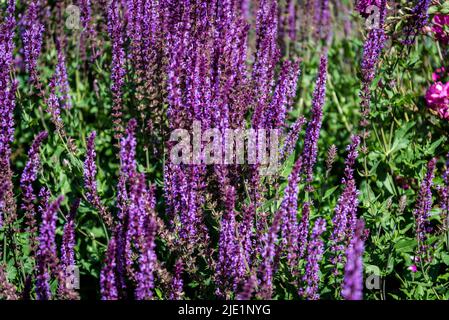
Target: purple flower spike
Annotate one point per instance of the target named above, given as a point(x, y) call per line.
point(62, 79)
point(266, 268)
point(147, 260)
point(118, 71)
point(289, 211)
point(230, 266)
point(423, 207)
point(315, 250)
point(68, 240)
point(283, 95)
point(353, 280)
point(444, 194)
point(418, 20)
point(292, 138)
point(108, 281)
point(29, 175)
point(303, 232)
point(346, 209)
point(177, 284)
point(313, 129)
point(90, 183)
point(32, 40)
point(248, 289)
point(47, 258)
point(7, 105)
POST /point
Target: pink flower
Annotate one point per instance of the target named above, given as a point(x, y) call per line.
point(437, 98)
point(413, 268)
point(440, 28)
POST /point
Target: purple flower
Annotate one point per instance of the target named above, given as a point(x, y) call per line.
point(147, 260)
point(128, 151)
point(353, 280)
point(248, 288)
point(177, 284)
point(7, 105)
point(322, 18)
point(246, 232)
point(67, 265)
point(53, 105)
point(423, 207)
point(315, 249)
point(230, 265)
point(90, 169)
point(47, 258)
point(32, 40)
point(267, 56)
point(68, 240)
point(29, 175)
point(90, 183)
point(444, 194)
point(108, 281)
point(62, 79)
point(86, 13)
point(3, 190)
point(346, 209)
point(283, 95)
point(289, 212)
point(418, 20)
point(118, 71)
point(303, 231)
point(136, 219)
point(292, 138)
point(266, 268)
point(372, 50)
point(292, 19)
point(310, 151)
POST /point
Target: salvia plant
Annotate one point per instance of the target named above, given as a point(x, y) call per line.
point(224, 149)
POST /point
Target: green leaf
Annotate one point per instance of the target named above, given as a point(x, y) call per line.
point(405, 245)
point(329, 192)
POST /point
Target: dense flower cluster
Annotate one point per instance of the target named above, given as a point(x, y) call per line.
point(115, 203)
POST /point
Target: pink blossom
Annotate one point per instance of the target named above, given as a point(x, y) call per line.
point(440, 28)
point(437, 98)
point(413, 268)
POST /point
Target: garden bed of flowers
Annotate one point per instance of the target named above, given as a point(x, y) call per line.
point(224, 149)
